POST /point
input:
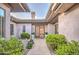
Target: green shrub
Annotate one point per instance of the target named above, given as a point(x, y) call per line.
point(12, 46)
point(68, 49)
point(2, 45)
point(55, 40)
point(30, 44)
point(25, 35)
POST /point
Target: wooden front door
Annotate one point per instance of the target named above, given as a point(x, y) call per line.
point(40, 31)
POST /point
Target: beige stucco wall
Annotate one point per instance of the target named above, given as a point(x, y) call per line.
point(7, 20)
point(51, 28)
point(33, 28)
point(69, 24)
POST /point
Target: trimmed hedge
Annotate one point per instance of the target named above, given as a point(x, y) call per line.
point(25, 35)
point(55, 40)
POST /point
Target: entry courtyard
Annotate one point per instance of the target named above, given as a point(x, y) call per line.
point(39, 29)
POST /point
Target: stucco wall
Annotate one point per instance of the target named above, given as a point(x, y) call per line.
point(51, 28)
point(69, 24)
point(33, 28)
point(20, 28)
point(7, 21)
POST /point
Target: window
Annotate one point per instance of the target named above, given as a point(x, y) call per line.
point(1, 22)
point(11, 29)
point(24, 28)
point(56, 28)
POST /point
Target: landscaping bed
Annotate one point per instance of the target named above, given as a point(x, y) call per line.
point(58, 44)
point(15, 46)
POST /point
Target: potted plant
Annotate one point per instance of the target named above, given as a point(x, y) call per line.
point(25, 38)
point(33, 36)
point(46, 33)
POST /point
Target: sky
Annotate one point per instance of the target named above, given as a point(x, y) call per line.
point(40, 10)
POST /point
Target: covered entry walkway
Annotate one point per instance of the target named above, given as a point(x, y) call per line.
point(40, 48)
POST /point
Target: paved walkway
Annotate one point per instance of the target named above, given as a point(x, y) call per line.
point(39, 48)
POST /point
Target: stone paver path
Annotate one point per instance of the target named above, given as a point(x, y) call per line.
point(39, 48)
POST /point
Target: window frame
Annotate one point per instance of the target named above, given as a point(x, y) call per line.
point(3, 22)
